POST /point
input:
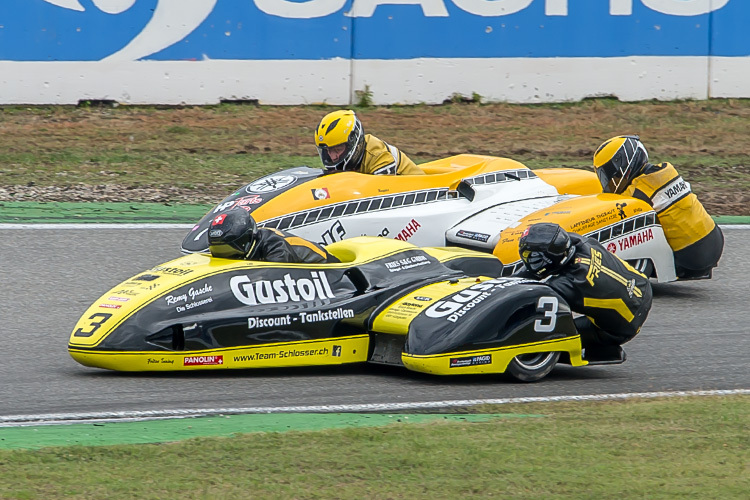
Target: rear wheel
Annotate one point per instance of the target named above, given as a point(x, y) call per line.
point(532, 367)
point(643, 266)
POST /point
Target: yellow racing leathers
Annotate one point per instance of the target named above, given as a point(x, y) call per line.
point(274, 245)
point(381, 158)
point(696, 240)
point(614, 298)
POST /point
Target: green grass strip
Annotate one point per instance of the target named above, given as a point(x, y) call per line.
point(732, 219)
point(25, 212)
point(177, 429)
point(663, 449)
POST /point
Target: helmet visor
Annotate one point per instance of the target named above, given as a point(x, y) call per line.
point(610, 177)
point(332, 155)
point(536, 262)
point(225, 251)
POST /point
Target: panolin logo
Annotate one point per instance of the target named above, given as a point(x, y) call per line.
point(409, 230)
point(203, 360)
point(281, 291)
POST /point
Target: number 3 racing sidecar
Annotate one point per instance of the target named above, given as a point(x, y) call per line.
point(436, 310)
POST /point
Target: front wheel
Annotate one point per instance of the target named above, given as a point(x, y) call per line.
point(532, 367)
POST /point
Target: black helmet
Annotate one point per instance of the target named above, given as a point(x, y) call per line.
point(232, 234)
point(545, 248)
point(618, 161)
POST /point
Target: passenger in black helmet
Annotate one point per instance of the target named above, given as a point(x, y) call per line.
point(697, 242)
point(235, 235)
point(613, 297)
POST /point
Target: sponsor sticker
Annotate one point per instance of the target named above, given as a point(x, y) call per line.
point(632, 240)
point(422, 298)
point(334, 233)
point(469, 235)
point(118, 299)
point(271, 183)
point(407, 232)
point(459, 304)
point(621, 210)
point(670, 193)
point(146, 277)
point(190, 299)
point(110, 306)
point(406, 263)
point(321, 193)
point(483, 359)
point(203, 360)
point(281, 291)
point(174, 271)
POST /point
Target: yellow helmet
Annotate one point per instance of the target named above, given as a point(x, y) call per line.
point(340, 140)
point(618, 161)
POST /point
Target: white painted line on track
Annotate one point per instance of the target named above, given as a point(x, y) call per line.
point(95, 226)
point(131, 416)
point(175, 226)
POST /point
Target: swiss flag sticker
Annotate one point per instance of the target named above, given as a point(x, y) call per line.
point(219, 220)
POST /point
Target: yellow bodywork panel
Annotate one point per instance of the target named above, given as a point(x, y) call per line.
point(493, 360)
point(395, 319)
point(580, 215)
point(571, 180)
point(332, 351)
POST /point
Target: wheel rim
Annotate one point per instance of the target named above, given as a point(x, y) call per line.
point(535, 360)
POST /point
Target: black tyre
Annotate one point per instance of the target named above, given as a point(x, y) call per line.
point(532, 367)
point(643, 266)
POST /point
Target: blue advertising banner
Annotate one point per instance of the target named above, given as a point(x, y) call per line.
point(180, 30)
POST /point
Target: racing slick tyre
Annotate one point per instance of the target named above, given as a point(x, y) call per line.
point(532, 367)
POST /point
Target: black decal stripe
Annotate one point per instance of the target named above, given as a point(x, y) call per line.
point(504, 176)
point(638, 194)
point(367, 205)
point(332, 125)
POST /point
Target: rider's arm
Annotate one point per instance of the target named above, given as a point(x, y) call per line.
point(383, 159)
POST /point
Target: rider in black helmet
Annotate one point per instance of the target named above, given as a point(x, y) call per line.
point(613, 297)
point(235, 235)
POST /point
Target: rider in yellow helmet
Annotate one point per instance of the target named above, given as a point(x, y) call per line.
point(623, 168)
point(343, 145)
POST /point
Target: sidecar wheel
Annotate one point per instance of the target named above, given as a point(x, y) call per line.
point(532, 367)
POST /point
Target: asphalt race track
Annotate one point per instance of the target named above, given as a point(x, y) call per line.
point(696, 338)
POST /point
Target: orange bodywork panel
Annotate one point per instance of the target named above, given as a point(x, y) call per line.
point(580, 215)
point(571, 180)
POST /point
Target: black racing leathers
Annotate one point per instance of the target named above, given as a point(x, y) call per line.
point(614, 297)
point(274, 245)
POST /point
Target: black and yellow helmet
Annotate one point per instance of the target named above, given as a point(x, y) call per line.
point(618, 161)
point(340, 140)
